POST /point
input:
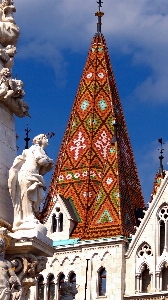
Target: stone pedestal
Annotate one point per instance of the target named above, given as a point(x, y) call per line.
point(28, 251)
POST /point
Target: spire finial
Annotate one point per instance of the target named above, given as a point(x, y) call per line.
point(27, 139)
point(99, 14)
point(161, 172)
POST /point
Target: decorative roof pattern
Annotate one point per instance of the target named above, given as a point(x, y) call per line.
point(95, 168)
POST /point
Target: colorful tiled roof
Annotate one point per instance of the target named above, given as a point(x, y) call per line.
point(95, 168)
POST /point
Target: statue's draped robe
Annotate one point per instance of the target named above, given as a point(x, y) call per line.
point(26, 183)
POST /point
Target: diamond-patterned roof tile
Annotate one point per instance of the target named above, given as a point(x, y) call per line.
point(98, 176)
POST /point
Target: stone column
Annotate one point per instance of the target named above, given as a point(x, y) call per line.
point(11, 102)
point(138, 283)
point(157, 281)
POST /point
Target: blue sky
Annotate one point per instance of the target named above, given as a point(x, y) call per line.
point(52, 50)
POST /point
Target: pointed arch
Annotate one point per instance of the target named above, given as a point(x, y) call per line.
point(142, 267)
point(105, 254)
point(162, 263)
point(65, 259)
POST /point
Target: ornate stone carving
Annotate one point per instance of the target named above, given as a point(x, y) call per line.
point(7, 56)
point(10, 286)
point(26, 183)
point(144, 250)
point(27, 268)
point(12, 93)
point(68, 291)
point(9, 31)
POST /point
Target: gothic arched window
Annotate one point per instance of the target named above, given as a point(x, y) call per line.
point(54, 223)
point(41, 288)
point(60, 281)
point(72, 278)
point(163, 220)
point(102, 282)
point(51, 288)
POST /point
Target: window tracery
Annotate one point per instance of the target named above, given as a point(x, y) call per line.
point(144, 250)
point(163, 228)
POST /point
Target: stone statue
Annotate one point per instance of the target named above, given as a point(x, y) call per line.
point(10, 287)
point(26, 183)
point(12, 93)
point(68, 291)
point(9, 31)
point(7, 56)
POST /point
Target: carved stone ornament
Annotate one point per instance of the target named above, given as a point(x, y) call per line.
point(27, 267)
point(10, 286)
point(7, 56)
point(26, 183)
point(68, 291)
point(12, 93)
point(9, 31)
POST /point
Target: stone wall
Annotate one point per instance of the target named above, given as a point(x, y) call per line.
point(7, 155)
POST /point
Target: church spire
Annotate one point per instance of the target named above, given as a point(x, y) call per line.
point(99, 14)
point(95, 169)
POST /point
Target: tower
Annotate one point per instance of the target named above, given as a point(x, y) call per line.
point(95, 169)
point(94, 192)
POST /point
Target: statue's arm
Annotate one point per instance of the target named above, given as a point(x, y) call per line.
point(41, 158)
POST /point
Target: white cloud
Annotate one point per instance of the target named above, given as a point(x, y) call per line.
point(138, 28)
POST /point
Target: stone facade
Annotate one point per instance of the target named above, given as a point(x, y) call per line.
point(136, 268)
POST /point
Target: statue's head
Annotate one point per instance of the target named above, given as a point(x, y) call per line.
point(41, 263)
point(68, 288)
point(41, 140)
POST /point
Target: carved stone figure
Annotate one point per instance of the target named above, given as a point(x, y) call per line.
point(10, 287)
point(26, 183)
point(68, 291)
point(7, 56)
point(27, 268)
point(9, 31)
point(12, 93)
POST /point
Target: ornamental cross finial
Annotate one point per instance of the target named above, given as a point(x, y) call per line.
point(161, 171)
point(27, 139)
point(99, 14)
point(100, 4)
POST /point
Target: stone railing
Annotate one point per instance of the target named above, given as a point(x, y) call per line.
point(147, 297)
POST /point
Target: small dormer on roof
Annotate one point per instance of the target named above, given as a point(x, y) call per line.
point(62, 219)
